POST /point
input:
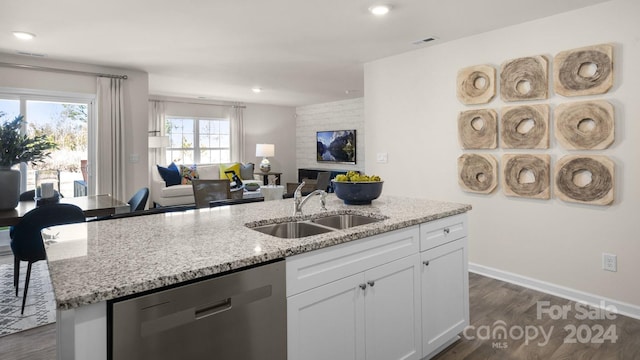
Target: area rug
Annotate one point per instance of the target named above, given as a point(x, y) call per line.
point(40, 308)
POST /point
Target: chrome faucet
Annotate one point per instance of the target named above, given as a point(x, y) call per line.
point(298, 201)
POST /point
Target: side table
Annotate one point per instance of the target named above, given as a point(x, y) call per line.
point(265, 176)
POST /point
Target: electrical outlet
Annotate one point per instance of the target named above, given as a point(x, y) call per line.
point(609, 262)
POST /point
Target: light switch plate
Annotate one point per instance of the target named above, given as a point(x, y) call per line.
point(382, 157)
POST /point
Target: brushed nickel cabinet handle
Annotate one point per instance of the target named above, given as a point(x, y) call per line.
point(363, 286)
point(426, 263)
point(371, 283)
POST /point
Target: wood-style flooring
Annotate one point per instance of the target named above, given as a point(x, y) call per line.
point(34, 344)
point(492, 303)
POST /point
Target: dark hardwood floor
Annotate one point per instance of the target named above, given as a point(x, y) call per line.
point(34, 344)
point(493, 303)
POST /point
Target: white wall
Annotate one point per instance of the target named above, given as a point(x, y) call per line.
point(337, 115)
point(136, 90)
point(411, 112)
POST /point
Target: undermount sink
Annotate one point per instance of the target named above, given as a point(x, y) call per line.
point(325, 224)
point(345, 221)
point(292, 230)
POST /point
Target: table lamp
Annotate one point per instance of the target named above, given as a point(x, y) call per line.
point(265, 150)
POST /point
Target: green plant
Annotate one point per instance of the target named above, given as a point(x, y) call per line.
point(18, 148)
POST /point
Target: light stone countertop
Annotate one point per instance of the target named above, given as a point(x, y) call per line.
point(97, 261)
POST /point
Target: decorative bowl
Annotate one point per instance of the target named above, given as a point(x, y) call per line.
point(252, 186)
point(357, 193)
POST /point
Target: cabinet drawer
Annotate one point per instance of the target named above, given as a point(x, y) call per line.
point(309, 270)
point(442, 231)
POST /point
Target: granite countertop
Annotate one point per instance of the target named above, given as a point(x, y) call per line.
point(97, 261)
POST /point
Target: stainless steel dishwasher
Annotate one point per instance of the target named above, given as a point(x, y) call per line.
point(239, 316)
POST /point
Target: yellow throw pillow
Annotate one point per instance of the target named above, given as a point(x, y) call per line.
point(227, 167)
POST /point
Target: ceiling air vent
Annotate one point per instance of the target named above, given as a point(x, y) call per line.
point(29, 54)
point(424, 41)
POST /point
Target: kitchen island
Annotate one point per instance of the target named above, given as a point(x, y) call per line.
point(95, 262)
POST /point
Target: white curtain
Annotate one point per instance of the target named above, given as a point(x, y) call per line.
point(237, 134)
point(157, 128)
point(111, 139)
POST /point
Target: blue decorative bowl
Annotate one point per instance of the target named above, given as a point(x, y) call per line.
point(357, 193)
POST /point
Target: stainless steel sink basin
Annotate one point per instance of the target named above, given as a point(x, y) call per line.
point(345, 221)
point(291, 230)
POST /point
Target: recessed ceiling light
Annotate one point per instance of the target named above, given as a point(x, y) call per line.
point(256, 89)
point(23, 35)
point(380, 10)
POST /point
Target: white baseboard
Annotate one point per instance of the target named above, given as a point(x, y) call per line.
point(622, 308)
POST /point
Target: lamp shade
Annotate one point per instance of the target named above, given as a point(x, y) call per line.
point(159, 141)
point(265, 150)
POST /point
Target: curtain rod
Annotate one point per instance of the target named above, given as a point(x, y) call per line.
point(66, 71)
point(198, 103)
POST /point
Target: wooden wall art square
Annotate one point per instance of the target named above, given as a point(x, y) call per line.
point(583, 71)
point(587, 125)
point(478, 129)
point(478, 173)
point(525, 175)
point(476, 84)
point(586, 179)
point(524, 79)
point(525, 127)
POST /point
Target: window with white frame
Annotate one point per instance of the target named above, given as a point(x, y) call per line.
point(197, 140)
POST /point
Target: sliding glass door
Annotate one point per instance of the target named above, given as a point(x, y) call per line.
point(66, 120)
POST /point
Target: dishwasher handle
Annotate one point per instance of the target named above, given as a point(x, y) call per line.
point(212, 309)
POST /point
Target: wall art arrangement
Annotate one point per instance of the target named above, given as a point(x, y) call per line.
point(577, 126)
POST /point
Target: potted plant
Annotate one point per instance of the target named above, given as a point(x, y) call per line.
point(16, 148)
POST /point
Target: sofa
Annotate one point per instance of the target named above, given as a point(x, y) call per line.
point(182, 194)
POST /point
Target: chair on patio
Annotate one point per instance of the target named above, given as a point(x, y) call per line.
point(26, 239)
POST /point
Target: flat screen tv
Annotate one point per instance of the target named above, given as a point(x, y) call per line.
point(337, 146)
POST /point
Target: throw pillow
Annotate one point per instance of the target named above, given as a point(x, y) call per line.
point(209, 172)
point(170, 174)
point(246, 171)
point(227, 167)
point(188, 173)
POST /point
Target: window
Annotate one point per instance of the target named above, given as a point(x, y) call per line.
point(66, 120)
point(198, 140)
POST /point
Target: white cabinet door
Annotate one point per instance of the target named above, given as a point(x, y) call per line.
point(445, 294)
point(392, 310)
point(327, 322)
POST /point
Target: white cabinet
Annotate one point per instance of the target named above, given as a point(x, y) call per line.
point(371, 314)
point(392, 310)
point(327, 322)
point(445, 284)
point(398, 295)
